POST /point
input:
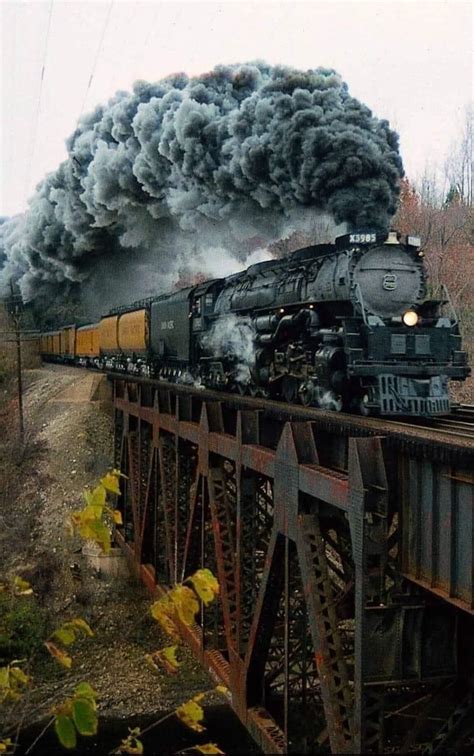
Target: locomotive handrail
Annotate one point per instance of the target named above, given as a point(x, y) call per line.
point(360, 299)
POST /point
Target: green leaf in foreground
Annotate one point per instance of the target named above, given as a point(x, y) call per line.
point(85, 716)
point(65, 731)
point(84, 690)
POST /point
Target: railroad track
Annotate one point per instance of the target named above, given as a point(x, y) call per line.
point(459, 423)
point(451, 431)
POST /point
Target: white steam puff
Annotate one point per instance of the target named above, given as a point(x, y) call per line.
point(234, 158)
point(231, 338)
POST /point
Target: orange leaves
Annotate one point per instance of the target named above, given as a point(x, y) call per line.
point(59, 654)
point(207, 748)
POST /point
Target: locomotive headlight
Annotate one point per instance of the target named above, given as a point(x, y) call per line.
point(410, 318)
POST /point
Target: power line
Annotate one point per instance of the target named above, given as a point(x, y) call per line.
point(38, 104)
point(98, 51)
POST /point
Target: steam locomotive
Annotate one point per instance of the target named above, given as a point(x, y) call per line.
point(343, 326)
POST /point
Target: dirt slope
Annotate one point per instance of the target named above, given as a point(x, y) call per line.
point(69, 446)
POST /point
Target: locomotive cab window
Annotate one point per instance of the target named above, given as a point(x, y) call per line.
point(209, 302)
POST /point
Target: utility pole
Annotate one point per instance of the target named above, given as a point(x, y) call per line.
point(19, 375)
point(16, 334)
point(15, 313)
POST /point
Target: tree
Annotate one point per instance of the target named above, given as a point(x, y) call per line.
point(446, 227)
point(459, 167)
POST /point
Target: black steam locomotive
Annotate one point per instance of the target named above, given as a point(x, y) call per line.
point(342, 326)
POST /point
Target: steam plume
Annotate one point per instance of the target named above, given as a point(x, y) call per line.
point(235, 158)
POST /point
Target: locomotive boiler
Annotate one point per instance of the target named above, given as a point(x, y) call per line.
point(342, 326)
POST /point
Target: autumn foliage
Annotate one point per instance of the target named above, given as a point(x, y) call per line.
point(446, 228)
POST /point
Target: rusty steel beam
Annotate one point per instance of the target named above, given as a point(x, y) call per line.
point(343, 600)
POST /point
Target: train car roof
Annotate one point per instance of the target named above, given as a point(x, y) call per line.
point(203, 287)
point(88, 327)
point(306, 253)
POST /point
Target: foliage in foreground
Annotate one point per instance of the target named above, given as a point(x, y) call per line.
point(77, 714)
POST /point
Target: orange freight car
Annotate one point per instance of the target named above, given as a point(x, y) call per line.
point(56, 343)
point(108, 335)
point(133, 332)
point(87, 341)
point(68, 342)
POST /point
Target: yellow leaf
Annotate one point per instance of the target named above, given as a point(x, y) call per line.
point(169, 653)
point(18, 677)
point(207, 748)
point(131, 744)
point(191, 714)
point(186, 603)
point(96, 499)
point(21, 587)
point(149, 658)
point(163, 611)
point(65, 635)
point(117, 517)
point(166, 657)
point(119, 474)
point(205, 585)
point(58, 654)
point(110, 483)
point(82, 625)
point(222, 689)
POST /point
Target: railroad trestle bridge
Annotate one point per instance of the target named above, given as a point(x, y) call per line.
point(344, 551)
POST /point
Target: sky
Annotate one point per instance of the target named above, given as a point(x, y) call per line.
point(410, 61)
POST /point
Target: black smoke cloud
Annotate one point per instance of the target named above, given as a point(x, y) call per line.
point(234, 158)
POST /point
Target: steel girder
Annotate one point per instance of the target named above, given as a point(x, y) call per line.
point(323, 642)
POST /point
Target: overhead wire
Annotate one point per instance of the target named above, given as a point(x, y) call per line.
point(97, 55)
point(38, 103)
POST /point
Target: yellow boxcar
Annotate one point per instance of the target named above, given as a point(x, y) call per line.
point(56, 343)
point(108, 335)
point(68, 341)
point(133, 332)
point(87, 341)
point(43, 343)
point(62, 342)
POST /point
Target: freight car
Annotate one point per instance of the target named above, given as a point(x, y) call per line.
point(339, 326)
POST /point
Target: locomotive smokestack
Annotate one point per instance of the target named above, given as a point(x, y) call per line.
point(229, 156)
